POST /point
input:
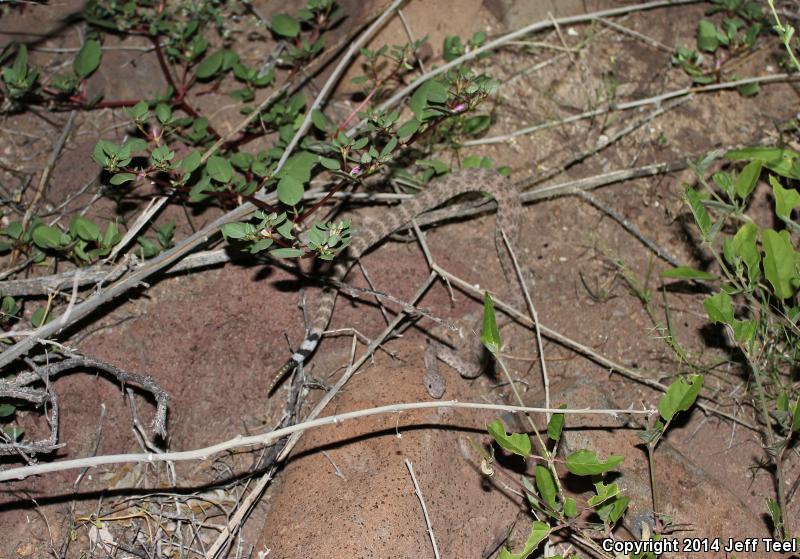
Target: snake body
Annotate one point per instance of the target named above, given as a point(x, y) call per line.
point(436, 194)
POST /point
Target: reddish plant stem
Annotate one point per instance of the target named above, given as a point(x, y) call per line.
point(162, 62)
point(321, 201)
point(179, 99)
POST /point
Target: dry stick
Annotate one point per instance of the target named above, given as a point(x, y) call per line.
point(581, 156)
point(411, 39)
point(131, 280)
point(534, 318)
point(655, 100)
point(344, 63)
point(633, 33)
point(628, 226)
point(92, 275)
point(48, 168)
point(580, 348)
point(294, 430)
point(551, 191)
point(418, 492)
point(153, 207)
point(538, 26)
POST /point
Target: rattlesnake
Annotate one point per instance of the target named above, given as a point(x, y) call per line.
point(436, 194)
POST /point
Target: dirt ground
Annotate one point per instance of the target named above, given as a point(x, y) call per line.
point(213, 337)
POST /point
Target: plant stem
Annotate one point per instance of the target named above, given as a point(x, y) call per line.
point(651, 467)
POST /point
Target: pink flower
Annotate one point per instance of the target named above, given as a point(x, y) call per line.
point(460, 107)
point(355, 171)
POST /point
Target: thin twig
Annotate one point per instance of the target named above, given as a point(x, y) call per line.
point(534, 318)
point(294, 430)
point(630, 227)
point(418, 492)
point(580, 348)
point(641, 36)
point(654, 100)
point(343, 64)
point(48, 168)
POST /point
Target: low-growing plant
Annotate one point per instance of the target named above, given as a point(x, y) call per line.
point(755, 288)
point(721, 39)
point(591, 519)
point(167, 148)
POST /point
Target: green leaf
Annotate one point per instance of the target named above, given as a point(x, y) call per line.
point(9, 307)
point(570, 507)
point(556, 424)
point(472, 162)
point(432, 91)
point(329, 163)
point(20, 67)
point(285, 25)
point(748, 89)
point(724, 181)
point(299, 166)
point(7, 410)
point(360, 143)
point(112, 236)
point(539, 532)
point(14, 230)
point(603, 493)
point(585, 463)
point(477, 124)
point(777, 160)
point(191, 162)
point(775, 514)
point(121, 178)
point(786, 199)
point(163, 113)
point(516, 443)
point(88, 59)
point(707, 36)
point(260, 245)
point(319, 120)
point(38, 317)
point(135, 144)
point(744, 330)
point(744, 246)
point(286, 253)
point(490, 335)
point(613, 510)
point(546, 485)
point(219, 169)
point(680, 396)
point(719, 308)
point(210, 65)
point(408, 129)
point(439, 166)
point(148, 247)
point(685, 272)
point(747, 179)
point(45, 237)
point(701, 216)
point(84, 229)
point(779, 262)
point(13, 433)
point(237, 230)
point(290, 190)
point(796, 417)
